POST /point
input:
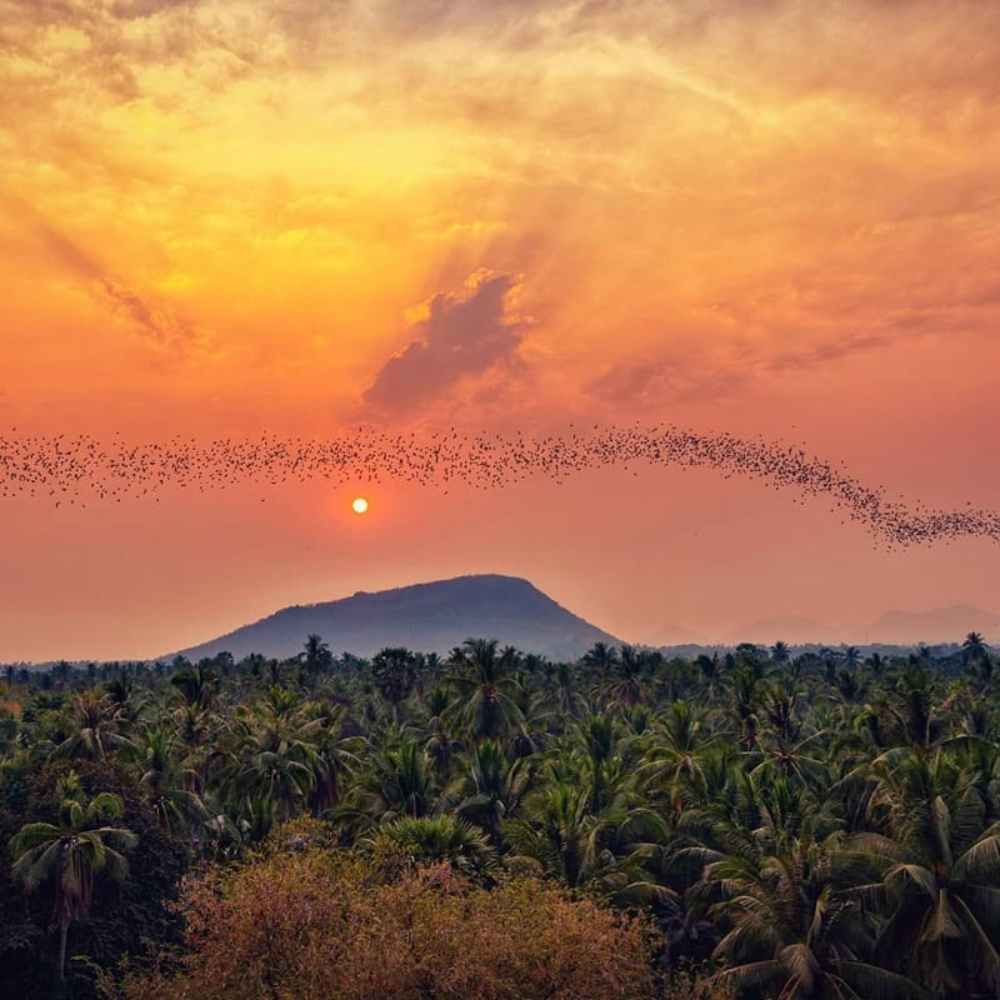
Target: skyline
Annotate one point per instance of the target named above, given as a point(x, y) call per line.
point(225, 218)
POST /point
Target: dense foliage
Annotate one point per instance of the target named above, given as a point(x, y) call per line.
point(316, 925)
point(491, 824)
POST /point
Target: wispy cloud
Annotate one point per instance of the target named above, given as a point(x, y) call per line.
point(129, 9)
point(150, 319)
point(651, 382)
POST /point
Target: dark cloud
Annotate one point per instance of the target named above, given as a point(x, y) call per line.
point(464, 335)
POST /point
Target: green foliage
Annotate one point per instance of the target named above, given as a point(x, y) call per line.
point(813, 825)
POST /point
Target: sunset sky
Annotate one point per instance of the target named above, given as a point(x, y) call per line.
point(220, 217)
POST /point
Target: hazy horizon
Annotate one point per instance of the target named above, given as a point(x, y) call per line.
point(950, 625)
point(220, 219)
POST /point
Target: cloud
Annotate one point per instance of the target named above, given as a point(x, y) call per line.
point(651, 382)
point(463, 335)
point(827, 352)
point(151, 320)
point(132, 9)
point(729, 372)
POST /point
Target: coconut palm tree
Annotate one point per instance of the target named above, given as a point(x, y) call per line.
point(491, 788)
point(976, 654)
point(72, 854)
point(334, 759)
point(792, 935)
point(744, 698)
point(555, 830)
point(914, 690)
point(95, 720)
point(484, 688)
point(974, 645)
point(626, 687)
point(272, 754)
point(569, 701)
point(167, 788)
point(442, 742)
point(779, 709)
point(601, 739)
point(395, 782)
point(627, 854)
point(601, 657)
point(316, 657)
point(851, 657)
point(673, 760)
point(198, 685)
point(937, 874)
point(394, 671)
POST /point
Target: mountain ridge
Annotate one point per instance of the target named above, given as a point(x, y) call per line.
point(432, 616)
point(950, 623)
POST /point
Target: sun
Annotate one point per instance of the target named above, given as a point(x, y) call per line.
point(359, 505)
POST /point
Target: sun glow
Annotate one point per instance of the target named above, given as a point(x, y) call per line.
point(359, 505)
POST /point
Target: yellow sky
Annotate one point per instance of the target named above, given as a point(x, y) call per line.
point(754, 215)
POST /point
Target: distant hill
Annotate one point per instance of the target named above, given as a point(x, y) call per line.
point(792, 629)
point(894, 628)
point(938, 625)
point(428, 617)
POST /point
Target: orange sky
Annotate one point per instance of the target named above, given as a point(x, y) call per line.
point(219, 217)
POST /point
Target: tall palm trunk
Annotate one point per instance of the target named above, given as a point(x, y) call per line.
point(597, 788)
point(571, 862)
point(496, 836)
point(63, 934)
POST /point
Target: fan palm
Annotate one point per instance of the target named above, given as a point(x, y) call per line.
point(435, 838)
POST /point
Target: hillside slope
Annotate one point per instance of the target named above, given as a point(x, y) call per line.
point(429, 617)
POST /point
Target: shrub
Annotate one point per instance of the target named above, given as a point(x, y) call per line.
point(319, 925)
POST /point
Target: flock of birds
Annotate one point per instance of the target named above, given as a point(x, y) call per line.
point(77, 469)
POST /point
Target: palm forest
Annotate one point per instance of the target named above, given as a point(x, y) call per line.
point(757, 823)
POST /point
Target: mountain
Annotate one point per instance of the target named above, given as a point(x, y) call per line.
point(950, 624)
point(894, 628)
point(793, 629)
point(656, 634)
point(428, 617)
